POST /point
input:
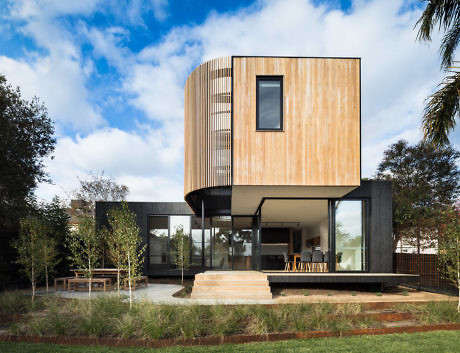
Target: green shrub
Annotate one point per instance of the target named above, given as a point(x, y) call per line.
point(15, 302)
point(439, 311)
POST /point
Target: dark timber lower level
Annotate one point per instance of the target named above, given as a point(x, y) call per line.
point(387, 278)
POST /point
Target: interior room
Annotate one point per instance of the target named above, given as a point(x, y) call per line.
point(290, 227)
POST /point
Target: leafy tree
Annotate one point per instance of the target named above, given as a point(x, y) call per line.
point(449, 248)
point(29, 246)
point(99, 188)
point(425, 180)
point(84, 246)
point(126, 242)
point(25, 139)
point(443, 106)
point(181, 248)
point(57, 218)
point(114, 243)
point(49, 253)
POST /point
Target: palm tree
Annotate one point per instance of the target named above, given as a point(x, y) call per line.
point(442, 107)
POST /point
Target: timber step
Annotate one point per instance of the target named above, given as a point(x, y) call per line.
point(231, 285)
point(226, 295)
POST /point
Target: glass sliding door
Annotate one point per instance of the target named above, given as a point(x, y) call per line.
point(242, 243)
point(350, 237)
point(158, 240)
point(197, 242)
point(179, 226)
point(221, 244)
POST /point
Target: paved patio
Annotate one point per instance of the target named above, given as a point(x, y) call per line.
point(162, 294)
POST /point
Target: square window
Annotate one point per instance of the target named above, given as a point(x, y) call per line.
point(269, 103)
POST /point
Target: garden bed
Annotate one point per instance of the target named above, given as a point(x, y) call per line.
point(110, 317)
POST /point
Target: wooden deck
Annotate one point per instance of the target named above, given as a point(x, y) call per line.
point(315, 277)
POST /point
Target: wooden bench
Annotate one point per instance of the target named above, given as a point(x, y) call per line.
point(96, 283)
point(135, 280)
point(62, 280)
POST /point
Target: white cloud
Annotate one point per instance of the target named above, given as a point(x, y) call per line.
point(160, 9)
point(59, 76)
point(27, 9)
point(60, 84)
point(149, 164)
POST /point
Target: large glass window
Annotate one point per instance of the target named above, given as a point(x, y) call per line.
point(242, 243)
point(158, 240)
point(221, 247)
point(350, 245)
point(196, 245)
point(269, 102)
point(179, 227)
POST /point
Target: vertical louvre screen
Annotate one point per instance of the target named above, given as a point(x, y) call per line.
point(208, 126)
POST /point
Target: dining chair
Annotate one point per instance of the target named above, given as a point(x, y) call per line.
point(316, 259)
point(305, 261)
point(287, 263)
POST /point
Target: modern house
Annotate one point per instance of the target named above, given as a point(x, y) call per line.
point(273, 167)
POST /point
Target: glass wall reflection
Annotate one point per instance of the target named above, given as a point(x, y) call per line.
point(221, 246)
point(196, 244)
point(242, 243)
point(158, 240)
point(349, 235)
point(179, 227)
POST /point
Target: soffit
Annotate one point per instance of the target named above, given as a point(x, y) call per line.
point(246, 199)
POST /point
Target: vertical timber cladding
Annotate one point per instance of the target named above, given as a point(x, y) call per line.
point(320, 141)
point(207, 109)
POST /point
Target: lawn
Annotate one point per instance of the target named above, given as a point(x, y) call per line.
point(437, 341)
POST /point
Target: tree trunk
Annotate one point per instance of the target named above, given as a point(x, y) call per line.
point(418, 236)
point(90, 278)
point(33, 280)
point(182, 257)
point(118, 280)
point(129, 283)
point(46, 278)
point(458, 276)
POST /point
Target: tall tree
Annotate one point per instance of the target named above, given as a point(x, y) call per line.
point(55, 214)
point(442, 107)
point(99, 188)
point(25, 139)
point(425, 180)
point(84, 246)
point(449, 247)
point(127, 243)
point(180, 244)
point(29, 246)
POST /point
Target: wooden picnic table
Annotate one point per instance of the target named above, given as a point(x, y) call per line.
point(118, 272)
point(101, 271)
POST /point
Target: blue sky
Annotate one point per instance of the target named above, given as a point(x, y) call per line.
point(112, 74)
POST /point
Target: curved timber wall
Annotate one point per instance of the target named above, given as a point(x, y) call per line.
point(207, 109)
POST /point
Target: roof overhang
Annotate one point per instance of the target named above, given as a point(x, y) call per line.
point(246, 199)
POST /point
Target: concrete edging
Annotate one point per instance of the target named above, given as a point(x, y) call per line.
point(208, 341)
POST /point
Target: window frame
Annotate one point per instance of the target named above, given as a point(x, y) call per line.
point(270, 78)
